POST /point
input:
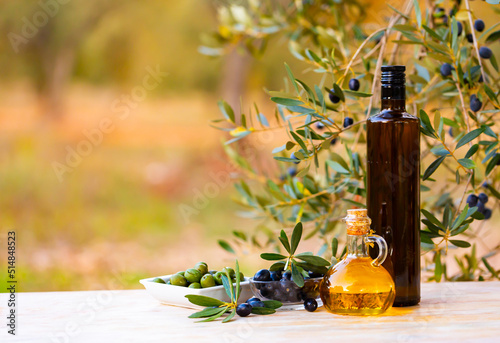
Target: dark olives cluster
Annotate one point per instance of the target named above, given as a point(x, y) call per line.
point(200, 277)
point(245, 309)
point(484, 51)
point(278, 285)
point(480, 201)
point(354, 85)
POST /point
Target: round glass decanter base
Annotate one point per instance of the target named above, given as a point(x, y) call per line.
point(355, 287)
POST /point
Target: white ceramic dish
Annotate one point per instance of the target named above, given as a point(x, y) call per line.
point(175, 295)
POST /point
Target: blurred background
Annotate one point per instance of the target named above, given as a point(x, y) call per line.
point(104, 136)
point(109, 170)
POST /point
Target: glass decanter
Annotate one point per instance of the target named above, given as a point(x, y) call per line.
point(358, 285)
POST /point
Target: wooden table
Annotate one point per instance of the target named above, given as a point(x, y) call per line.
point(468, 311)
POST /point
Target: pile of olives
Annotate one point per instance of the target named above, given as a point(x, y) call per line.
point(278, 285)
point(200, 277)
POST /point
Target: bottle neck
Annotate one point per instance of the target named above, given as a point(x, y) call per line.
point(393, 97)
point(356, 246)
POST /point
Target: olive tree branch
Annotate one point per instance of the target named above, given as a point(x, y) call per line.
point(357, 53)
point(474, 39)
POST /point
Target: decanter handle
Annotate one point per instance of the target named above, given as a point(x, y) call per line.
point(382, 249)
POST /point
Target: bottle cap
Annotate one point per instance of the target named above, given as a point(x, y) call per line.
point(357, 222)
point(393, 75)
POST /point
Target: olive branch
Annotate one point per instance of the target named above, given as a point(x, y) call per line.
point(298, 268)
point(215, 308)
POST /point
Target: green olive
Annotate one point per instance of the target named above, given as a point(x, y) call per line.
point(201, 267)
point(229, 270)
point(218, 278)
point(192, 275)
point(180, 273)
point(194, 285)
point(158, 280)
point(178, 280)
point(207, 281)
point(242, 277)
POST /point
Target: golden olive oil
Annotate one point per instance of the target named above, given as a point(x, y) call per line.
point(358, 284)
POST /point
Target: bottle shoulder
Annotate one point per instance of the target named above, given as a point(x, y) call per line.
point(390, 115)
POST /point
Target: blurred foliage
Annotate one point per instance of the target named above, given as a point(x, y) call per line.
point(331, 38)
point(110, 41)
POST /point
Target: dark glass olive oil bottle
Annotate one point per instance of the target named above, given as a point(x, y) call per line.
point(393, 185)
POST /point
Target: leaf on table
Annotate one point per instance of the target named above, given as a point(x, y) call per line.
point(214, 317)
point(207, 312)
point(263, 310)
point(228, 318)
point(202, 300)
point(274, 304)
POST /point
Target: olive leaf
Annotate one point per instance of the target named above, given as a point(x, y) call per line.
point(286, 102)
point(274, 304)
point(297, 275)
point(228, 286)
point(469, 137)
point(225, 245)
point(284, 240)
point(238, 286)
point(202, 300)
point(214, 317)
point(207, 312)
point(263, 310)
point(438, 267)
point(432, 167)
point(296, 236)
point(314, 260)
point(272, 256)
point(458, 243)
point(228, 318)
point(335, 245)
point(277, 266)
point(490, 268)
